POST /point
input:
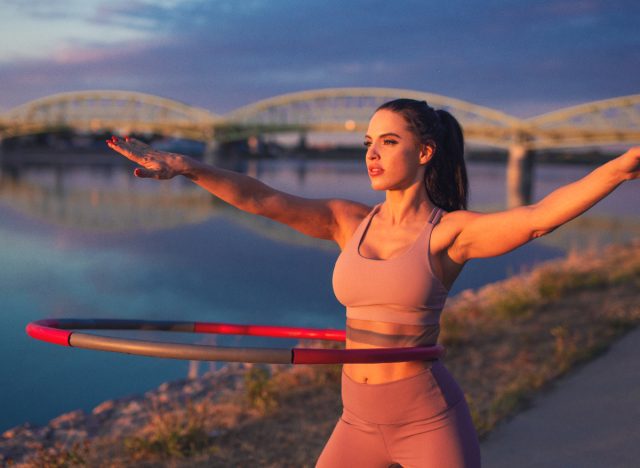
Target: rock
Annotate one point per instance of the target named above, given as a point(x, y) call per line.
point(163, 398)
point(67, 420)
point(33, 445)
point(117, 418)
point(131, 408)
point(104, 407)
point(24, 430)
point(70, 436)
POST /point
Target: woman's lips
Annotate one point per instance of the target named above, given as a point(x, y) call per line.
point(375, 171)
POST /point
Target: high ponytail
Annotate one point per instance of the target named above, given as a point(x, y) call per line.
point(445, 175)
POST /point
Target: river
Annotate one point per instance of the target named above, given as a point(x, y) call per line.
point(89, 242)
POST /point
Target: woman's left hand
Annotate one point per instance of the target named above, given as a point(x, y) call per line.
point(629, 163)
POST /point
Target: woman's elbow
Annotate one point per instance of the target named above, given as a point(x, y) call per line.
point(540, 224)
point(542, 232)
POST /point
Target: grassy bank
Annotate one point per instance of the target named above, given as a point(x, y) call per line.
point(512, 338)
point(505, 342)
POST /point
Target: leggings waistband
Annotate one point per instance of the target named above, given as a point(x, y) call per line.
point(420, 396)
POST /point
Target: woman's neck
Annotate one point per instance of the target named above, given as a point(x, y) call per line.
point(406, 206)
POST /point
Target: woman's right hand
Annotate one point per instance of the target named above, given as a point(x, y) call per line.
point(155, 164)
point(628, 164)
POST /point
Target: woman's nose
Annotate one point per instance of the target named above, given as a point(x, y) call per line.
point(372, 152)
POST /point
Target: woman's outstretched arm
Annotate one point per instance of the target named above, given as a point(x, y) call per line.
point(324, 218)
point(479, 235)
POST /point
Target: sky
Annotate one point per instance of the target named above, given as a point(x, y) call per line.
point(521, 57)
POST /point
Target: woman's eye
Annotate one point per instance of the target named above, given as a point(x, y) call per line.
point(367, 143)
point(390, 142)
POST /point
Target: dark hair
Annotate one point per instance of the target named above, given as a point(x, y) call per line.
point(445, 176)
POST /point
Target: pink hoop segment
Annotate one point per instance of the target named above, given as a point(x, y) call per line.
point(269, 331)
point(60, 332)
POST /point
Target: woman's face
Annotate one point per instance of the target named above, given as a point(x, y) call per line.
point(395, 159)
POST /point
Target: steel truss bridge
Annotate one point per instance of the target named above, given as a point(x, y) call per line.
point(338, 110)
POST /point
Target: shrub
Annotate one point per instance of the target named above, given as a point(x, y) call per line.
point(59, 457)
point(260, 389)
point(453, 332)
point(553, 283)
point(174, 434)
point(513, 304)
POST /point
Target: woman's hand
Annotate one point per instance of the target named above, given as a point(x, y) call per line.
point(629, 164)
point(155, 164)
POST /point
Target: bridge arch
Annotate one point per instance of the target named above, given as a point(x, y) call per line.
point(604, 122)
point(108, 110)
point(349, 110)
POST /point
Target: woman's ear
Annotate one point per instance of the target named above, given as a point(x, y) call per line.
point(427, 150)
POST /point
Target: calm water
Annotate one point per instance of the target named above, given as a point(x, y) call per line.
point(99, 243)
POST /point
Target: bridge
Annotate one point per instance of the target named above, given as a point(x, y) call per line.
point(337, 110)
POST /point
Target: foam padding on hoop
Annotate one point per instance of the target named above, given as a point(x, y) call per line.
point(46, 330)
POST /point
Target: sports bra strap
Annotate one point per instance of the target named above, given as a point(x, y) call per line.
point(436, 214)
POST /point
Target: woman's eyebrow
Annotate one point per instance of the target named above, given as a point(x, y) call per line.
point(385, 135)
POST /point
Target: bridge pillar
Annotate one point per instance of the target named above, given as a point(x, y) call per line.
point(519, 175)
point(211, 153)
point(302, 142)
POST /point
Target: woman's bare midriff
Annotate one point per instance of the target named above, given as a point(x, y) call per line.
point(382, 372)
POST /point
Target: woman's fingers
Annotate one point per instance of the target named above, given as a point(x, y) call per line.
point(628, 164)
point(153, 162)
point(634, 169)
point(134, 150)
point(137, 143)
point(160, 174)
point(125, 149)
point(144, 173)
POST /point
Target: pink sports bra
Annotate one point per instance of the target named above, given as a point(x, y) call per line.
point(401, 290)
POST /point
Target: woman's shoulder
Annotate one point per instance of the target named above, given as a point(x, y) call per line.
point(348, 216)
point(349, 210)
point(450, 226)
point(459, 217)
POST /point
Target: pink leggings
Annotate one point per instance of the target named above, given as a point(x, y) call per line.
point(420, 421)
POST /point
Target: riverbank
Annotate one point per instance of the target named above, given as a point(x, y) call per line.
point(505, 342)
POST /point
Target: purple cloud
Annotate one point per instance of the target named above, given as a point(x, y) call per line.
point(521, 57)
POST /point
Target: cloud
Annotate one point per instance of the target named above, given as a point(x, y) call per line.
point(520, 57)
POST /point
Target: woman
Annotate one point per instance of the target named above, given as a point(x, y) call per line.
point(398, 262)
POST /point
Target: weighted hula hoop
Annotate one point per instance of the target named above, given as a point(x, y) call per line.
point(60, 332)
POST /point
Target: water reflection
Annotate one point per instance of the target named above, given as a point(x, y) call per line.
point(110, 199)
point(97, 242)
point(102, 199)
